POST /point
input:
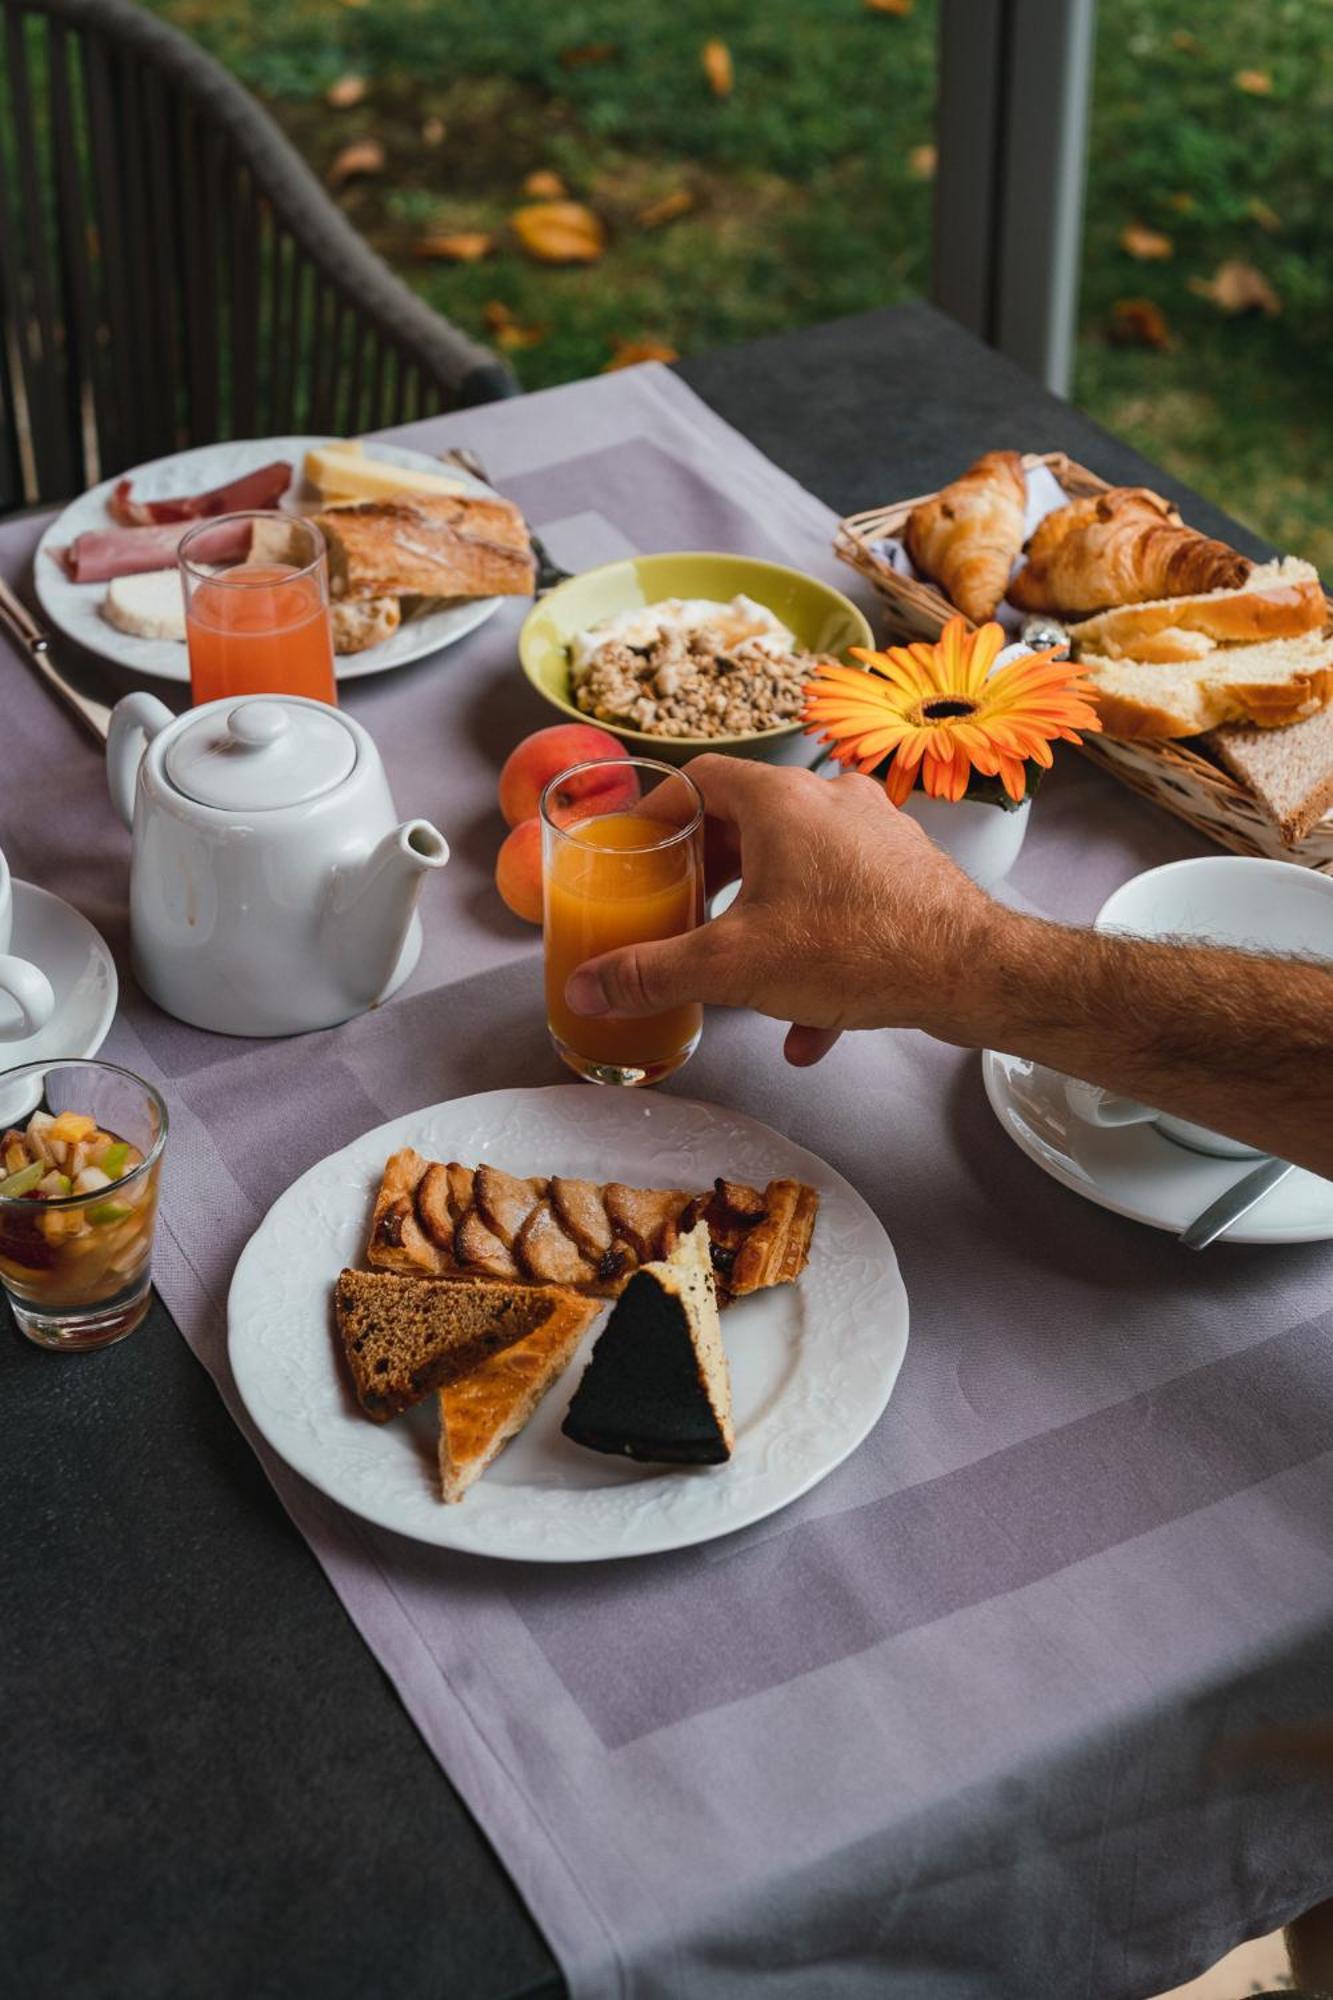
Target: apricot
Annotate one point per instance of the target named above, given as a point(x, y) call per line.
point(518, 871)
point(530, 768)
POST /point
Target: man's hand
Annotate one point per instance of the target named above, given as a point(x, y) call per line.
point(848, 917)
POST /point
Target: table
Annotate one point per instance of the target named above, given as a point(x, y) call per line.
point(186, 1813)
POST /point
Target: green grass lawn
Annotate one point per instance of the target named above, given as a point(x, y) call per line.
point(803, 193)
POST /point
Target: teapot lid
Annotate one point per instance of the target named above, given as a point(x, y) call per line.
point(260, 754)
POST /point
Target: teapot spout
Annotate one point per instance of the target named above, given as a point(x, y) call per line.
point(374, 905)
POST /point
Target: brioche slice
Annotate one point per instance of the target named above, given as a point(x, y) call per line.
point(403, 1337)
point(480, 1414)
point(1289, 771)
point(1281, 600)
point(1269, 685)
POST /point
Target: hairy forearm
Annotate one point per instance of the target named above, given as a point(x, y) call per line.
point(1228, 1039)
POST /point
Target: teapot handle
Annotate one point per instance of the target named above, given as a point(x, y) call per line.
point(135, 721)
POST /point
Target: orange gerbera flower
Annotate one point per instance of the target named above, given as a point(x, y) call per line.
point(939, 711)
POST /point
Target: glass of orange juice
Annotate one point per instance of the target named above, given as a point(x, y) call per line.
point(260, 626)
point(622, 863)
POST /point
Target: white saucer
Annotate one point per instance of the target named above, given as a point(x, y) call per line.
point(78, 964)
point(1134, 1171)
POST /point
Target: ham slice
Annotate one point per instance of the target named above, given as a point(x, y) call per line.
point(102, 553)
point(262, 488)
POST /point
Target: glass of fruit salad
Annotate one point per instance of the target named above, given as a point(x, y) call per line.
point(78, 1201)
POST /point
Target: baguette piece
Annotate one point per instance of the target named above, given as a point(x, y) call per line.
point(1280, 600)
point(481, 1413)
point(404, 1337)
point(1124, 546)
point(1269, 685)
point(1289, 771)
point(427, 545)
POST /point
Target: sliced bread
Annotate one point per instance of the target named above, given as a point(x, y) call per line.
point(480, 1414)
point(1280, 600)
point(1269, 685)
point(404, 1337)
point(1289, 771)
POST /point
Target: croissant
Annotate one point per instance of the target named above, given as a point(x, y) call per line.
point(441, 1221)
point(1125, 546)
point(967, 537)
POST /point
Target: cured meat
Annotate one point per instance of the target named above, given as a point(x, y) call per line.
point(262, 488)
point(102, 553)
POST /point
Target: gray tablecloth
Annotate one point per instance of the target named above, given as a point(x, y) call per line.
point(946, 1726)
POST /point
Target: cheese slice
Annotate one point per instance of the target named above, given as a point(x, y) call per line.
point(146, 607)
point(344, 470)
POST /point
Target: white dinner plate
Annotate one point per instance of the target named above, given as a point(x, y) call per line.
point(73, 607)
point(77, 961)
point(813, 1364)
point(1133, 1170)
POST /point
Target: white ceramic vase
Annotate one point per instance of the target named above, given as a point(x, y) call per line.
point(983, 839)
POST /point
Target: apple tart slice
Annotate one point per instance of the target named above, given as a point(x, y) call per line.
point(442, 1220)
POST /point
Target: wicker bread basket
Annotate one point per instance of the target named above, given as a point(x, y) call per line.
point(1175, 775)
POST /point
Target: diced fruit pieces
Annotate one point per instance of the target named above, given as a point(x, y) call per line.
point(71, 1126)
point(54, 1185)
point(14, 1186)
point(112, 1161)
point(108, 1211)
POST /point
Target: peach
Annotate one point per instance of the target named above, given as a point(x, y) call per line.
point(518, 871)
point(530, 768)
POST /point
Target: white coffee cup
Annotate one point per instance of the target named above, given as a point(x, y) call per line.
point(26, 986)
point(1273, 906)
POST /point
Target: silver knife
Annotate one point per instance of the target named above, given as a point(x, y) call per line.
point(34, 641)
point(1238, 1200)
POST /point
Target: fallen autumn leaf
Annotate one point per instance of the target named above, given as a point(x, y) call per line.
point(464, 246)
point(629, 353)
point(1236, 287)
point(922, 162)
point(1148, 245)
point(586, 54)
point(347, 92)
point(1256, 82)
point(665, 210)
point(1138, 323)
point(543, 185)
point(898, 7)
point(718, 68)
point(432, 131)
point(363, 156)
point(560, 232)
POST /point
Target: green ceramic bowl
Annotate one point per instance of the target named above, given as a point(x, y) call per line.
point(821, 617)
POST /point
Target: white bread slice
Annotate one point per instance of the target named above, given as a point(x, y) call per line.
point(1280, 600)
point(1289, 771)
point(1270, 685)
point(147, 607)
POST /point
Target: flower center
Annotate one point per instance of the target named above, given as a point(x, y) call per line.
point(945, 708)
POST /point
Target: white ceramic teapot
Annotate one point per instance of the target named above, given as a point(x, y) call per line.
point(272, 887)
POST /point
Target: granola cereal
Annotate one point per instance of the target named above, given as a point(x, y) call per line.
point(692, 669)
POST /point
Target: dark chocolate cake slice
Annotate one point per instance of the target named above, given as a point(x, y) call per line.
point(657, 1387)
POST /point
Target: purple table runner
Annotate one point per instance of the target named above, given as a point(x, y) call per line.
point(944, 1726)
